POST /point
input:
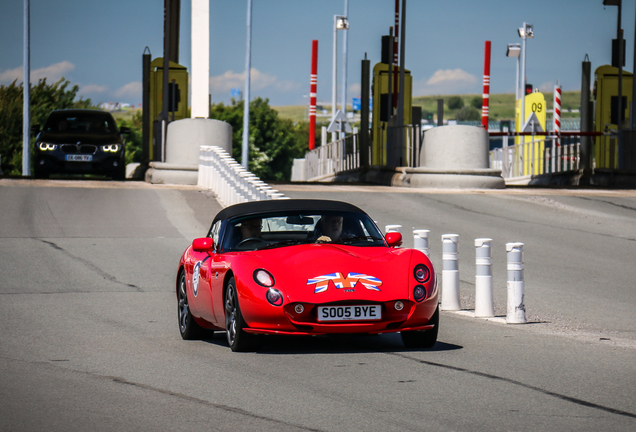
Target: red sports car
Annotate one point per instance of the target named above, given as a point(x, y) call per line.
point(304, 267)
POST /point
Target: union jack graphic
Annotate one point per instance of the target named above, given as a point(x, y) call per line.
point(340, 282)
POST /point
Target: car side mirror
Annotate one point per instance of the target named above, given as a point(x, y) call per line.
point(35, 129)
point(394, 239)
point(205, 244)
point(124, 130)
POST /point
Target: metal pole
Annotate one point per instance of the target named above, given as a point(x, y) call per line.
point(633, 111)
point(246, 103)
point(517, 88)
point(364, 113)
point(523, 79)
point(400, 107)
point(166, 74)
point(486, 94)
point(619, 37)
point(312, 94)
point(344, 61)
point(586, 117)
point(26, 87)
point(200, 59)
point(145, 129)
point(334, 78)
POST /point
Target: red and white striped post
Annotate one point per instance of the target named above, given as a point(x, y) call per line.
point(486, 100)
point(312, 94)
point(557, 114)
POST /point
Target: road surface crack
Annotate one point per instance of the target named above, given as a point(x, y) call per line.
point(521, 384)
point(91, 266)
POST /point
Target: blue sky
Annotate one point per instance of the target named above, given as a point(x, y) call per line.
point(98, 44)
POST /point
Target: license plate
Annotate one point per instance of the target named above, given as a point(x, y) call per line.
point(79, 158)
point(349, 313)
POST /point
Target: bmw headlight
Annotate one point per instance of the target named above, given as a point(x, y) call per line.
point(47, 146)
point(112, 148)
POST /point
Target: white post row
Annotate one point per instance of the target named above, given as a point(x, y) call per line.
point(392, 228)
point(450, 273)
point(516, 285)
point(484, 302)
point(420, 241)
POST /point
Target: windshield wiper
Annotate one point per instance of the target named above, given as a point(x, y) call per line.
point(284, 243)
point(357, 238)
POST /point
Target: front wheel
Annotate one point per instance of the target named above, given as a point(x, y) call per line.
point(422, 338)
point(237, 338)
point(188, 327)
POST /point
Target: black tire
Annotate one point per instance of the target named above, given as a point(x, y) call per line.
point(188, 327)
point(39, 173)
point(237, 338)
point(119, 174)
point(422, 338)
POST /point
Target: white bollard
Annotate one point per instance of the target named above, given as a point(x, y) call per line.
point(484, 303)
point(420, 241)
point(392, 228)
point(450, 273)
point(516, 285)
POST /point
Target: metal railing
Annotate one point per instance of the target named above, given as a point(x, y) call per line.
point(335, 157)
point(231, 183)
point(344, 154)
point(547, 154)
point(405, 144)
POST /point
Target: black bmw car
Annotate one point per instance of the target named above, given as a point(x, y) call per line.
point(78, 141)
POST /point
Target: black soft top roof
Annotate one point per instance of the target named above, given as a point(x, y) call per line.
point(79, 112)
point(258, 207)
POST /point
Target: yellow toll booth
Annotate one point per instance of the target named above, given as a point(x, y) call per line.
point(532, 154)
point(380, 92)
point(606, 112)
point(177, 87)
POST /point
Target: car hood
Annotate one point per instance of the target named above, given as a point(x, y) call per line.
point(84, 138)
point(327, 273)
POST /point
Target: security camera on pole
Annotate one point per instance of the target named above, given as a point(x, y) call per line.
point(524, 32)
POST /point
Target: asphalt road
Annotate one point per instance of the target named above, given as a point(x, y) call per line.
point(89, 338)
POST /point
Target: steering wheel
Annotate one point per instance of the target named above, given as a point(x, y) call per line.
point(250, 239)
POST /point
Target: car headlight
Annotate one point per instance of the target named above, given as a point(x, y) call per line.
point(421, 273)
point(111, 148)
point(263, 278)
point(47, 146)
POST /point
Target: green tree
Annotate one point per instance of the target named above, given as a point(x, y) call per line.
point(476, 102)
point(273, 142)
point(468, 113)
point(134, 146)
point(44, 99)
point(455, 102)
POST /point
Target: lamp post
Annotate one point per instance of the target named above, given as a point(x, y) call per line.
point(513, 51)
point(525, 32)
point(339, 23)
point(245, 149)
point(344, 60)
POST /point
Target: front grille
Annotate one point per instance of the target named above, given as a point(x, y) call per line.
point(82, 149)
point(88, 149)
point(69, 148)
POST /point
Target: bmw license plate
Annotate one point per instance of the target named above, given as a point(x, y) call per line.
point(79, 158)
point(349, 313)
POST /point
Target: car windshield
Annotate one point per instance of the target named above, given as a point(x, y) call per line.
point(273, 230)
point(80, 123)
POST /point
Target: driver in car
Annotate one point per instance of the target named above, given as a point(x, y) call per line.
point(251, 228)
point(331, 227)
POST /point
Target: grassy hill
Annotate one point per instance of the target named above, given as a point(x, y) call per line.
point(502, 106)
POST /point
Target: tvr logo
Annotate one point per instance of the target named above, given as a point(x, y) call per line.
point(348, 283)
